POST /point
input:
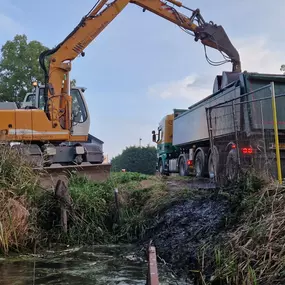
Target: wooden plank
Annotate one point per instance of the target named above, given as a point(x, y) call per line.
point(152, 267)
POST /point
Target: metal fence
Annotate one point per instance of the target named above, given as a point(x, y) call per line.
point(244, 133)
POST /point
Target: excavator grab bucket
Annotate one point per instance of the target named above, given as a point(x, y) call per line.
point(215, 36)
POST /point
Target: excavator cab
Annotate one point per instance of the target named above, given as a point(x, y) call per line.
point(80, 113)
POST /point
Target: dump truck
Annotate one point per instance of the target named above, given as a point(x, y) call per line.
point(202, 139)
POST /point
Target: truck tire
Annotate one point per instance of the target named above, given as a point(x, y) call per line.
point(199, 164)
point(183, 171)
point(160, 167)
point(213, 163)
point(232, 165)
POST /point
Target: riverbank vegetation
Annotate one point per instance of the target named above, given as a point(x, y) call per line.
point(254, 250)
point(30, 215)
point(216, 236)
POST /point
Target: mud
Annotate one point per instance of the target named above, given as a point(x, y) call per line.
point(183, 229)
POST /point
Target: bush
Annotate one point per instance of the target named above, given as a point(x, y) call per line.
point(136, 159)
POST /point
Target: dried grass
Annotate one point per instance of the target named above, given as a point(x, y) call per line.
point(14, 222)
point(18, 185)
point(255, 253)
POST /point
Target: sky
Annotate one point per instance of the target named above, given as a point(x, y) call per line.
point(141, 66)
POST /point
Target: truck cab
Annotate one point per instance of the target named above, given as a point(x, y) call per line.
point(163, 139)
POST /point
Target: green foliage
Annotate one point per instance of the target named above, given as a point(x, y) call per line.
point(282, 68)
point(19, 66)
point(94, 217)
point(136, 159)
point(72, 83)
point(120, 178)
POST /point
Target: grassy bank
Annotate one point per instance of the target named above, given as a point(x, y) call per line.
point(30, 216)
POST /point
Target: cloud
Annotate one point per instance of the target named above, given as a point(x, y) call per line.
point(256, 56)
point(189, 87)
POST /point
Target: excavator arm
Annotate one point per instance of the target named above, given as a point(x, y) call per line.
point(57, 99)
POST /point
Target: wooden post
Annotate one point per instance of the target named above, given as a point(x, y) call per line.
point(152, 276)
point(61, 192)
point(116, 192)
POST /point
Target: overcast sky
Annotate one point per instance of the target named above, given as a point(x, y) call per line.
point(141, 66)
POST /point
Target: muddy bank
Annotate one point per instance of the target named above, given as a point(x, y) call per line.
point(188, 233)
point(188, 225)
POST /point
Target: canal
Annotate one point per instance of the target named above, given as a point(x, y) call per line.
point(111, 264)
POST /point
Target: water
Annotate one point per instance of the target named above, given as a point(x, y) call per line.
point(81, 265)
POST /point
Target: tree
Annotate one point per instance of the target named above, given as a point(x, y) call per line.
point(19, 67)
point(136, 159)
point(282, 68)
point(72, 83)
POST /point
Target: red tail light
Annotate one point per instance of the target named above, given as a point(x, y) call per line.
point(247, 150)
point(189, 162)
point(234, 146)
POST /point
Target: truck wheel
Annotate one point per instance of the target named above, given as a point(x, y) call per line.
point(160, 167)
point(199, 164)
point(213, 163)
point(232, 165)
point(183, 171)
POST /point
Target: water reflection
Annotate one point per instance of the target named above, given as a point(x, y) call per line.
point(82, 265)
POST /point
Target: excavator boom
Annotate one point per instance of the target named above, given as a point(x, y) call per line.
point(94, 22)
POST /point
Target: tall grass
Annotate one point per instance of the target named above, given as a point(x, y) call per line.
point(249, 249)
point(18, 185)
point(255, 252)
point(95, 217)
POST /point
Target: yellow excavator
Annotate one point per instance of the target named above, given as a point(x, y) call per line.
point(54, 130)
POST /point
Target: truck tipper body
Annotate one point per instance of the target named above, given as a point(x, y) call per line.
point(184, 137)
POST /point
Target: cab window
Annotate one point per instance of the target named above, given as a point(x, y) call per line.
point(78, 108)
point(79, 113)
point(41, 99)
point(31, 98)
